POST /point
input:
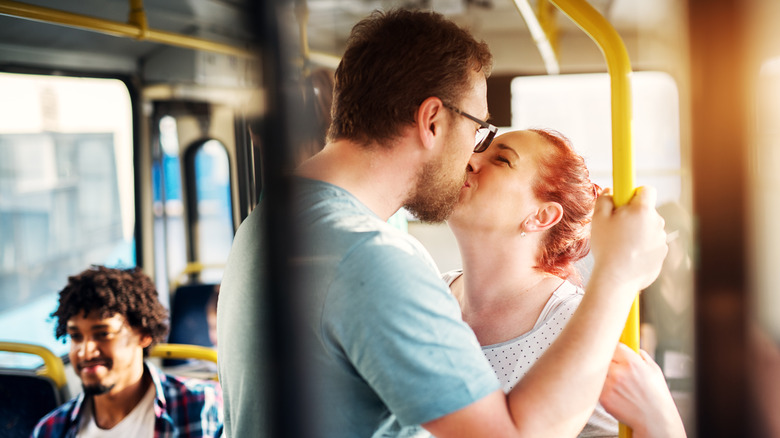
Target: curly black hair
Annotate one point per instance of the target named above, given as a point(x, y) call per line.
point(128, 292)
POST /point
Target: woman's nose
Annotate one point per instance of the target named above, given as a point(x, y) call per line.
point(473, 164)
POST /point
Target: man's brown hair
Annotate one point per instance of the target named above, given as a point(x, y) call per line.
point(393, 62)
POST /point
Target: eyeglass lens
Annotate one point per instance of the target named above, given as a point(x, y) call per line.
point(483, 139)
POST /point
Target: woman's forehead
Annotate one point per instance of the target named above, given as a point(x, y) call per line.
point(520, 141)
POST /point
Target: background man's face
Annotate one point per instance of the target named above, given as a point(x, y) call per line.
point(106, 353)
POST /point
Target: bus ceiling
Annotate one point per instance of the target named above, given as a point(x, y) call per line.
point(220, 41)
point(218, 35)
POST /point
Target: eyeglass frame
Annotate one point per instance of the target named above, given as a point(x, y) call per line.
point(492, 129)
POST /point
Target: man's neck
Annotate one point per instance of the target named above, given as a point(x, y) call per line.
point(380, 177)
point(111, 408)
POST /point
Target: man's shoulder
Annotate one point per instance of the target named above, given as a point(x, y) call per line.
point(56, 421)
point(391, 246)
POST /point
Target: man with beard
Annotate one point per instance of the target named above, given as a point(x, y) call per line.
point(113, 318)
point(385, 350)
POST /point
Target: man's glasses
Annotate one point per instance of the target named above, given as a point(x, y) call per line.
point(484, 135)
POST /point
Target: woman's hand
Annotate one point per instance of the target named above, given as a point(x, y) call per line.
point(629, 242)
point(635, 393)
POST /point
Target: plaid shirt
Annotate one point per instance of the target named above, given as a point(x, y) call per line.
point(183, 407)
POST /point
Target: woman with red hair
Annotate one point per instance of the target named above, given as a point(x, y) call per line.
point(521, 222)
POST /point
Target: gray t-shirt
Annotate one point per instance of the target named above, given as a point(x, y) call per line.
point(386, 346)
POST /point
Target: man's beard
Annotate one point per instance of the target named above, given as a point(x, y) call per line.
point(435, 193)
point(96, 389)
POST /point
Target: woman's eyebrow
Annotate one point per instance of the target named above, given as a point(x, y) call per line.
point(504, 147)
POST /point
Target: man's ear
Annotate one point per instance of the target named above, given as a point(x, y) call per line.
point(545, 217)
point(146, 340)
point(429, 119)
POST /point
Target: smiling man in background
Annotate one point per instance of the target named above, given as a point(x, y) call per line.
point(113, 318)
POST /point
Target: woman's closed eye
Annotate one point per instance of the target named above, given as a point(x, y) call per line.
point(504, 160)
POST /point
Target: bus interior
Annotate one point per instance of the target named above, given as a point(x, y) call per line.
point(141, 134)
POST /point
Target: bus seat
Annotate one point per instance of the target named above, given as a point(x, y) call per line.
point(27, 395)
point(188, 315)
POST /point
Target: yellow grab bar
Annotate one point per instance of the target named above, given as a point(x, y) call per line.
point(607, 39)
point(192, 268)
point(184, 351)
point(136, 30)
point(53, 366)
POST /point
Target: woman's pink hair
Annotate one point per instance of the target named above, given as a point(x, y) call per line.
point(564, 178)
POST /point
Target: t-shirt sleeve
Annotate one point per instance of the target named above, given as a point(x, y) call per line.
point(392, 317)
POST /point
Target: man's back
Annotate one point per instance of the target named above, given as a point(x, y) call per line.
point(241, 324)
point(381, 336)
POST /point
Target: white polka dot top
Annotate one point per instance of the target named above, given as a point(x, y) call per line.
point(512, 359)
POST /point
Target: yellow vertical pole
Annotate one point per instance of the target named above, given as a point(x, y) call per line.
point(619, 67)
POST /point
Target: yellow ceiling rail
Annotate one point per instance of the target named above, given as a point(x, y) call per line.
point(611, 45)
point(137, 17)
point(137, 28)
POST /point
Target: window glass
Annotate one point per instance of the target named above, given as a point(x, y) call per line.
point(765, 167)
point(579, 107)
point(66, 195)
point(214, 208)
point(169, 235)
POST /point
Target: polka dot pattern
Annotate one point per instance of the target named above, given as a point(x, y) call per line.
point(511, 360)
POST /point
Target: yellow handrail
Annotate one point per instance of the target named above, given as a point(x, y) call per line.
point(192, 268)
point(184, 351)
point(607, 39)
point(53, 366)
point(136, 29)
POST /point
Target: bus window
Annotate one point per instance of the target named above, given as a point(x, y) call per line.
point(65, 143)
point(169, 235)
point(763, 363)
point(213, 218)
point(537, 101)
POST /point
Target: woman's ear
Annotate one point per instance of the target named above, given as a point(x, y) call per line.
point(429, 118)
point(546, 216)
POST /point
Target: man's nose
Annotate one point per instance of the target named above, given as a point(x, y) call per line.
point(88, 349)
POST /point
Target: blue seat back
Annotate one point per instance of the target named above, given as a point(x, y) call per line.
point(188, 317)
